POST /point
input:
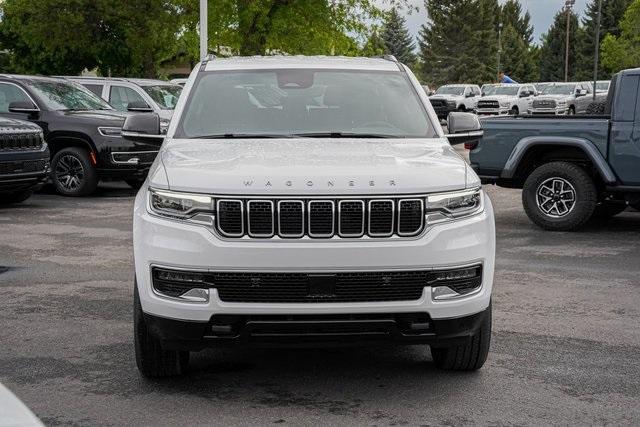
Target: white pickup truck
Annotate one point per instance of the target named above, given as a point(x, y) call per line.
point(507, 99)
point(455, 97)
point(309, 200)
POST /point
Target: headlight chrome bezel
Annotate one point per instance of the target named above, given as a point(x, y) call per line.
point(178, 205)
point(449, 206)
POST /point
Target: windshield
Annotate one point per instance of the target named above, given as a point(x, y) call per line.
point(556, 89)
point(166, 96)
point(450, 90)
point(506, 90)
point(488, 90)
point(602, 86)
point(61, 96)
point(303, 102)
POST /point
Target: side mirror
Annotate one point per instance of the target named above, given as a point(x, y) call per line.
point(581, 92)
point(143, 128)
point(524, 94)
point(470, 95)
point(23, 107)
point(139, 106)
point(464, 128)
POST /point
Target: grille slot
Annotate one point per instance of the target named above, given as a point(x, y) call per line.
point(381, 218)
point(230, 217)
point(260, 218)
point(410, 217)
point(291, 218)
point(321, 218)
point(351, 218)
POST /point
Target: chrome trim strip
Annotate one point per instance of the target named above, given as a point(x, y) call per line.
point(120, 162)
point(400, 202)
point(241, 217)
point(249, 218)
point(333, 219)
point(288, 235)
point(340, 233)
point(393, 218)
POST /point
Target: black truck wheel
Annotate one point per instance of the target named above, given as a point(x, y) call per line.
point(152, 360)
point(72, 173)
point(469, 356)
point(17, 197)
point(559, 196)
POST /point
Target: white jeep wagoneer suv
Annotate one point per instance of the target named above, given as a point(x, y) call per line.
point(309, 200)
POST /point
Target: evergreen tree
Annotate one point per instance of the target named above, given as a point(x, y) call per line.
point(514, 58)
point(612, 13)
point(374, 45)
point(396, 38)
point(511, 14)
point(623, 52)
point(552, 53)
point(458, 43)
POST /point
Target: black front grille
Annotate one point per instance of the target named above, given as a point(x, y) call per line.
point(25, 166)
point(260, 214)
point(544, 103)
point(321, 218)
point(410, 216)
point(347, 218)
point(351, 218)
point(21, 141)
point(261, 287)
point(230, 217)
point(438, 103)
point(488, 104)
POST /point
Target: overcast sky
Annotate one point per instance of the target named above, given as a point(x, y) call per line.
point(542, 13)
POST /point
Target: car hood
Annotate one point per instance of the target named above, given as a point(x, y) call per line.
point(312, 166)
point(100, 117)
point(553, 97)
point(447, 97)
point(497, 98)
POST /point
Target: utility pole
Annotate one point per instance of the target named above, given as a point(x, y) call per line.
point(499, 46)
point(204, 37)
point(597, 54)
point(568, 4)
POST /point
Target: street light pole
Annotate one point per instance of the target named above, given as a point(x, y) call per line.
point(568, 4)
point(597, 54)
point(499, 46)
point(204, 37)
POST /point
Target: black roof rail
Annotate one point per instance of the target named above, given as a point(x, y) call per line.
point(390, 58)
point(209, 57)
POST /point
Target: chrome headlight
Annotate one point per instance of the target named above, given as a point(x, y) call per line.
point(449, 206)
point(179, 205)
point(504, 103)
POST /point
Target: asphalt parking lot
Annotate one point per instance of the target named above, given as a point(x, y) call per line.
point(565, 349)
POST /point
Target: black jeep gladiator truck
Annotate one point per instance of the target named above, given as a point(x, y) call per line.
point(24, 160)
point(569, 168)
point(81, 130)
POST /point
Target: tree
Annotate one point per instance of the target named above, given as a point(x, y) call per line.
point(612, 13)
point(396, 38)
point(126, 38)
point(511, 14)
point(624, 51)
point(374, 45)
point(515, 54)
point(458, 43)
point(552, 52)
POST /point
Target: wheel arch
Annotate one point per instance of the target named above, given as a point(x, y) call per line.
point(530, 151)
point(59, 141)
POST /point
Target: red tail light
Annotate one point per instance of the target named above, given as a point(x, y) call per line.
point(470, 145)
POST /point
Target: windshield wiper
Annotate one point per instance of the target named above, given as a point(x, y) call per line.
point(242, 136)
point(344, 135)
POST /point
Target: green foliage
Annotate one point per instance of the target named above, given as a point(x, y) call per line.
point(624, 51)
point(458, 43)
point(612, 13)
point(396, 38)
point(516, 38)
point(552, 52)
point(511, 14)
point(374, 45)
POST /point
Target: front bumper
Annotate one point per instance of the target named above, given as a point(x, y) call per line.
point(311, 330)
point(174, 244)
point(548, 111)
point(22, 171)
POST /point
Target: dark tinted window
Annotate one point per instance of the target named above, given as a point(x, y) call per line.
point(10, 93)
point(625, 107)
point(97, 89)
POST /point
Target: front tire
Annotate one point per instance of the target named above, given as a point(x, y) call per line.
point(152, 360)
point(18, 197)
point(469, 356)
point(572, 111)
point(559, 196)
point(72, 173)
point(514, 111)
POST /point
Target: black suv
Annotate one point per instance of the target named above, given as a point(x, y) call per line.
point(81, 129)
point(24, 160)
